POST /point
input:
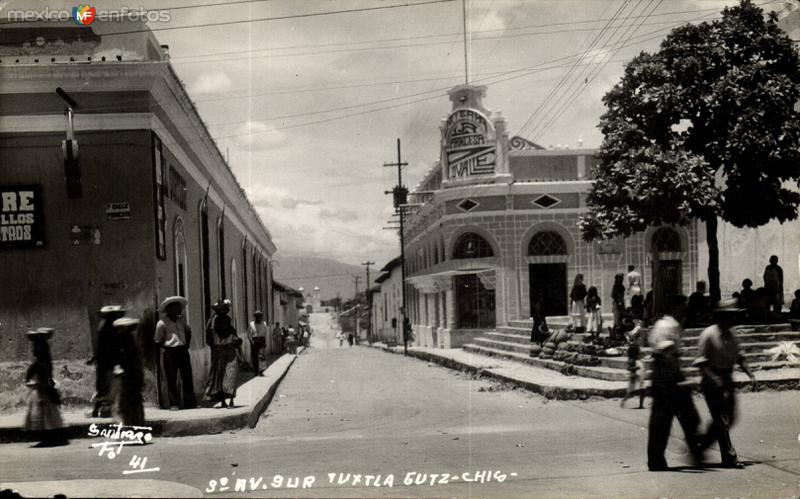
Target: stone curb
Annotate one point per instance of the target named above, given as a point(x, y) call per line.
point(190, 424)
point(564, 393)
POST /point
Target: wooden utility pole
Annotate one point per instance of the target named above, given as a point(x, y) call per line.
point(369, 301)
point(400, 194)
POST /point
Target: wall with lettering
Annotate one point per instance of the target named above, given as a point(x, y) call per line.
point(469, 144)
point(21, 217)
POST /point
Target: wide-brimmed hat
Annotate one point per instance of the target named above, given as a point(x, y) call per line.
point(728, 305)
point(126, 322)
point(172, 299)
point(258, 312)
point(222, 305)
point(42, 333)
point(111, 310)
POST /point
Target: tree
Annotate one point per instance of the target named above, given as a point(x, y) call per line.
point(706, 128)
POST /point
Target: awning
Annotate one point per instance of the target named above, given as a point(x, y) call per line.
point(439, 277)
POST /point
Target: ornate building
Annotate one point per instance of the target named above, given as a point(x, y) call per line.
point(497, 227)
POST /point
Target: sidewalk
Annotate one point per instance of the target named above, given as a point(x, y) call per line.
point(554, 385)
point(252, 398)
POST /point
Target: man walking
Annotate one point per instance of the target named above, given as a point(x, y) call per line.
point(672, 397)
point(257, 335)
point(105, 358)
point(717, 354)
point(173, 336)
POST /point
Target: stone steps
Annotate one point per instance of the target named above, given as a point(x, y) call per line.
point(513, 342)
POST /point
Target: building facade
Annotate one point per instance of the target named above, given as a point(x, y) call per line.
point(139, 207)
point(386, 304)
point(496, 228)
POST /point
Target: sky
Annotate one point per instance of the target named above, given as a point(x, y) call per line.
point(309, 107)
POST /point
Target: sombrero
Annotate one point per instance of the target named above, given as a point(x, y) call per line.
point(173, 299)
point(222, 305)
point(40, 333)
point(126, 322)
point(728, 305)
point(111, 310)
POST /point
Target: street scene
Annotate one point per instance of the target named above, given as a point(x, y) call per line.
point(378, 248)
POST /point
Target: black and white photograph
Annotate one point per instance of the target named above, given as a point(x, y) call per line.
point(400, 248)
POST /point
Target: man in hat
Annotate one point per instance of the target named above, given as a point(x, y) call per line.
point(105, 358)
point(717, 353)
point(174, 336)
point(672, 397)
point(257, 333)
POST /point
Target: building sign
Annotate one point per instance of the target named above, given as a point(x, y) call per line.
point(159, 174)
point(118, 211)
point(21, 217)
point(469, 144)
point(176, 187)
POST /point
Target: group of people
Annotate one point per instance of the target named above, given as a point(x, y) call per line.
point(718, 354)
point(118, 384)
point(119, 374)
point(624, 302)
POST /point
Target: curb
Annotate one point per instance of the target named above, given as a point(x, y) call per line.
point(563, 393)
point(202, 425)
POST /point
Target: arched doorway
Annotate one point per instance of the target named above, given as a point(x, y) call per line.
point(547, 273)
point(205, 265)
point(179, 244)
point(475, 301)
point(667, 246)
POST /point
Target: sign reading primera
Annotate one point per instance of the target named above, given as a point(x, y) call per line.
point(469, 144)
point(21, 217)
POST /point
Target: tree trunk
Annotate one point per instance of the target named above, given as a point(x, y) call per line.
point(713, 259)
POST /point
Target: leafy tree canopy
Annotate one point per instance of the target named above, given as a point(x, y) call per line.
point(706, 127)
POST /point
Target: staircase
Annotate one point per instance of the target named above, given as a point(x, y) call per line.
point(513, 342)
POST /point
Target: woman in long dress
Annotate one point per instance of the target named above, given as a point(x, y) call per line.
point(129, 405)
point(44, 415)
point(225, 357)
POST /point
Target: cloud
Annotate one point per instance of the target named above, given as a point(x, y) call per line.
point(256, 135)
point(290, 203)
point(214, 82)
point(343, 215)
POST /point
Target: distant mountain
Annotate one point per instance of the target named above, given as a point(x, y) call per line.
point(331, 276)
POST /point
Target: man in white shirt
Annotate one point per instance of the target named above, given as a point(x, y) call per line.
point(174, 336)
point(257, 333)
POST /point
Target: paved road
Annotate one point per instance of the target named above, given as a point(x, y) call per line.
point(368, 414)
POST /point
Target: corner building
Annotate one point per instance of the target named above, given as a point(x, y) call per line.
point(149, 208)
point(498, 224)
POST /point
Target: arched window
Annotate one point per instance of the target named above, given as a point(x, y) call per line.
point(666, 239)
point(205, 258)
point(234, 293)
point(546, 243)
point(471, 245)
point(221, 255)
point(179, 245)
point(245, 290)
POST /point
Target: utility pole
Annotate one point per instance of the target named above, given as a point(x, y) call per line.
point(355, 308)
point(369, 301)
point(400, 195)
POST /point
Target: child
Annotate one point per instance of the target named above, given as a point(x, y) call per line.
point(593, 308)
point(635, 366)
point(44, 415)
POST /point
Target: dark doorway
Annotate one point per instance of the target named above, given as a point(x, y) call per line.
point(670, 283)
point(474, 303)
point(549, 281)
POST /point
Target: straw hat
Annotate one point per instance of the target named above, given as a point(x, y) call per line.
point(126, 322)
point(172, 299)
point(728, 305)
point(43, 333)
point(112, 310)
point(222, 305)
